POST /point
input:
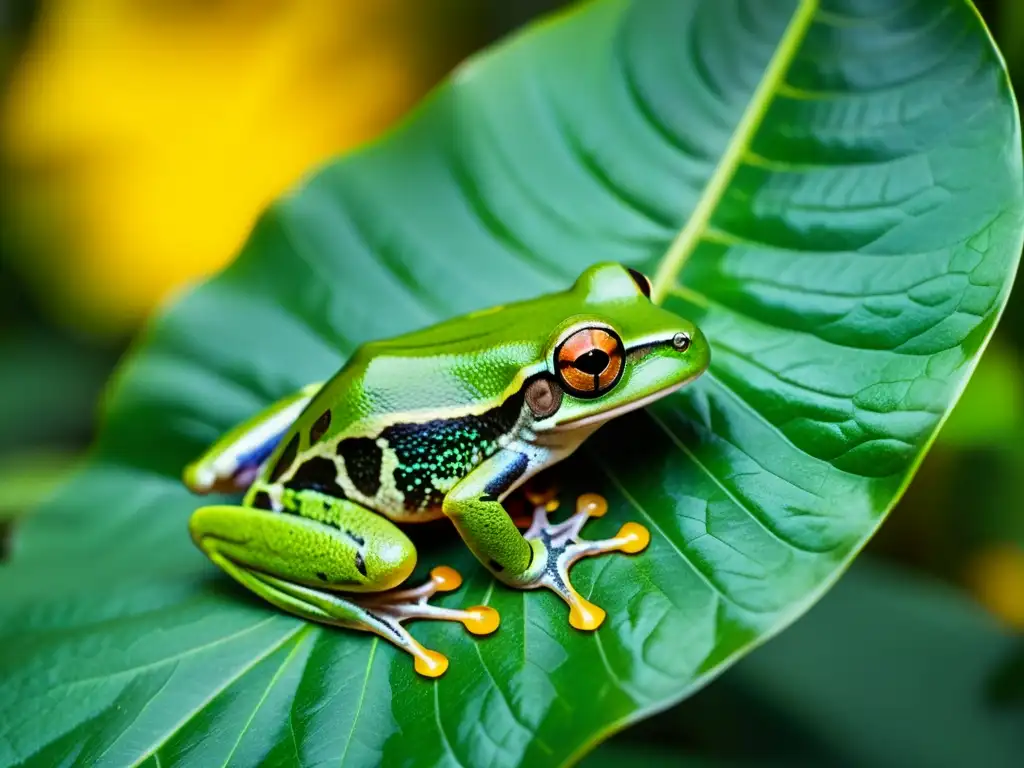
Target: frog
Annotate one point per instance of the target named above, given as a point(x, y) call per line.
point(442, 422)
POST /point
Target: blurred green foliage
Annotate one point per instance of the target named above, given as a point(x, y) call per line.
point(889, 669)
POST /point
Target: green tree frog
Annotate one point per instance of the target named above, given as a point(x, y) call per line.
point(441, 422)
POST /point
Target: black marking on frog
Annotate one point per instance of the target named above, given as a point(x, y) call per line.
point(363, 459)
point(286, 459)
point(359, 540)
point(496, 566)
point(262, 500)
point(295, 502)
point(504, 479)
point(317, 474)
point(360, 563)
point(321, 575)
point(446, 449)
point(320, 427)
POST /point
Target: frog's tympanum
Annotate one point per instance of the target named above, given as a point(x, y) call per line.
point(441, 422)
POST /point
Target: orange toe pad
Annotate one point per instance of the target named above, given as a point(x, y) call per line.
point(445, 579)
point(481, 620)
point(585, 615)
point(430, 663)
point(637, 538)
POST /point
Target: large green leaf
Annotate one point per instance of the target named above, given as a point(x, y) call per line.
point(915, 664)
point(837, 186)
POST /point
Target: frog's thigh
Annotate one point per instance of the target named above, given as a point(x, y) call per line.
point(300, 564)
point(358, 551)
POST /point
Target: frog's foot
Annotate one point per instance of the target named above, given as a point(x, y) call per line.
point(387, 611)
point(564, 547)
point(382, 614)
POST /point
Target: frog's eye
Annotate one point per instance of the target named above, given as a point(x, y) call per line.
point(643, 282)
point(590, 362)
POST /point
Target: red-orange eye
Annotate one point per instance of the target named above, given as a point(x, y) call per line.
point(590, 362)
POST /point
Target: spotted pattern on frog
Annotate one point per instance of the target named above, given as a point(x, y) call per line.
point(434, 455)
point(409, 467)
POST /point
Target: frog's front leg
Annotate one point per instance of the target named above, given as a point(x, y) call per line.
point(301, 562)
point(543, 556)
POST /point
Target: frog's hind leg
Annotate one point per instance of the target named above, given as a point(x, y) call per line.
point(381, 615)
point(231, 464)
point(313, 568)
point(565, 547)
point(390, 609)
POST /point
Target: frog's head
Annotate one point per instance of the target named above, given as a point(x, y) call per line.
point(614, 351)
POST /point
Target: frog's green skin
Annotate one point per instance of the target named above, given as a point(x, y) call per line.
point(445, 421)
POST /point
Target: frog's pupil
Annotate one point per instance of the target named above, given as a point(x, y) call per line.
point(592, 362)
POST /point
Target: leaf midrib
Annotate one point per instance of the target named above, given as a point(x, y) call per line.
point(686, 241)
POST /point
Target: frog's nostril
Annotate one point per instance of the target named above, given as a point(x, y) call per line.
point(681, 341)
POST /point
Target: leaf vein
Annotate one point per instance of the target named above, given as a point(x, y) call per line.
point(686, 241)
point(362, 698)
point(221, 687)
point(266, 692)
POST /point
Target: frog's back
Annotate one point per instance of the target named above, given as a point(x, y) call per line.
point(405, 419)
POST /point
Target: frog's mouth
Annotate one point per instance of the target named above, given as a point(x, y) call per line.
point(596, 419)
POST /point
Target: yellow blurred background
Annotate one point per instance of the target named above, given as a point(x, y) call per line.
point(144, 136)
